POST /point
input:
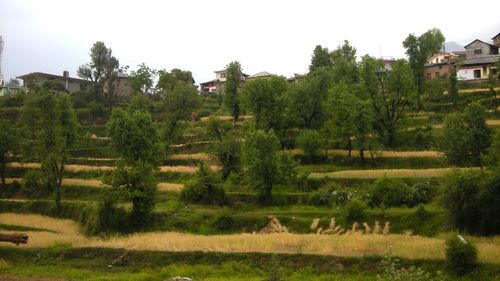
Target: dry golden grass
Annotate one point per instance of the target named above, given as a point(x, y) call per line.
point(393, 173)
point(76, 168)
point(162, 186)
point(227, 118)
point(490, 122)
point(468, 91)
point(195, 156)
point(411, 247)
point(93, 159)
point(380, 153)
point(166, 186)
point(185, 144)
point(185, 169)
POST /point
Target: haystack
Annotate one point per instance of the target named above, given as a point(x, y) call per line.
point(273, 226)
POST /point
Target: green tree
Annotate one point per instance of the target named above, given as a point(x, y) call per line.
point(204, 188)
point(8, 141)
point(103, 72)
point(136, 138)
point(492, 83)
point(320, 58)
point(226, 147)
point(233, 80)
point(419, 49)
point(389, 93)
point(344, 65)
point(177, 102)
point(466, 136)
point(307, 99)
point(261, 162)
point(492, 159)
point(310, 141)
point(266, 99)
point(453, 85)
point(49, 130)
point(143, 79)
point(167, 81)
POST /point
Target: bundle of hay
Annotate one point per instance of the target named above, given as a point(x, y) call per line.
point(273, 226)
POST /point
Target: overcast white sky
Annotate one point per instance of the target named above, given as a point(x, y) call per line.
point(204, 35)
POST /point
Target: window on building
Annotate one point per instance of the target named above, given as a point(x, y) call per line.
point(477, 73)
point(223, 75)
point(478, 51)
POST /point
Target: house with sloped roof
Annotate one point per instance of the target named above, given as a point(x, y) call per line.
point(480, 59)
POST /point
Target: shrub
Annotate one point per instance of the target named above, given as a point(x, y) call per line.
point(389, 193)
point(392, 272)
point(311, 142)
point(461, 256)
point(355, 210)
point(321, 197)
point(34, 183)
point(395, 193)
point(204, 189)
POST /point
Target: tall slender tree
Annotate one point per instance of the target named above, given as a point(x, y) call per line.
point(49, 130)
point(231, 86)
point(419, 49)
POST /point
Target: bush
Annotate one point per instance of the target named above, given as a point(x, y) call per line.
point(395, 193)
point(321, 197)
point(472, 202)
point(311, 142)
point(34, 184)
point(461, 256)
point(204, 189)
point(355, 211)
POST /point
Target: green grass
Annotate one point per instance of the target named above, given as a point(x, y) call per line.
point(92, 264)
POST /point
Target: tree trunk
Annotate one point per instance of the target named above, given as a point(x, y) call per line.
point(362, 155)
point(349, 145)
point(16, 238)
point(2, 171)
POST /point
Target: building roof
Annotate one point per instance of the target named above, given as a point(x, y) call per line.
point(53, 76)
point(260, 74)
point(11, 85)
point(496, 36)
point(483, 60)
point(491, 45)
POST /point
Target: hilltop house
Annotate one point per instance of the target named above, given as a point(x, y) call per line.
point(216, 85)
point(480, 61)
point(441, 64)
point(72, 84)
point(10, 87)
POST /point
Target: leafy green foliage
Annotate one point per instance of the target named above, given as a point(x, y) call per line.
point(143, 79)
point(231, 97)
point(266, 99)
point(492, 159)
point(466, 137)
point(471, 201)
point(419, 49)
point(8, 142)
point(355, 210)
point(103, 72)
point(204, 188)
point(311, 142)
point(389, 93)
point(349, 117)
point(177, 103)
point(261, 161)
point(320, 58)
point(461, 256)
point(307, 98)
point(394, 272)
point(136, 138)
point(49, 129)
point(395, 193)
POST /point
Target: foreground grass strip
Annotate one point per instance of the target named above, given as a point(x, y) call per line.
point(393, 173)
point(353, 245)
point(77, 168)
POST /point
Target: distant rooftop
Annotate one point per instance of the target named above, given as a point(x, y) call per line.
point(260, 74)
